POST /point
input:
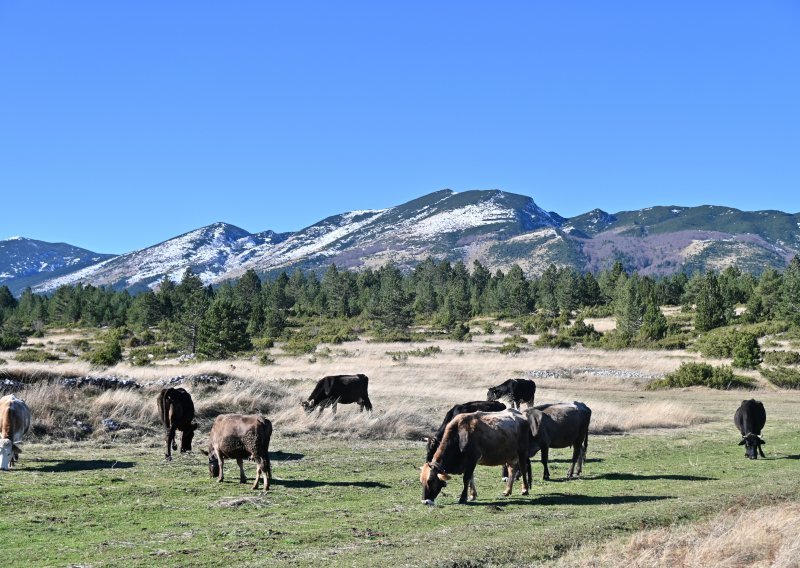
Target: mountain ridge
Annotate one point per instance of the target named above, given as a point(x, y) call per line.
point(496, 227)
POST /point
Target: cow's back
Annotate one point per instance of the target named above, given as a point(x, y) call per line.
point(561, 423)
point(15, 418)
point(750, 417)
point(240, 435)
point(494, 435)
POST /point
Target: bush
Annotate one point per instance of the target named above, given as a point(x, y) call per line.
point(781, 357)
point(550, 340)
point(461, 333)
point(108, 353)
point(671, 342)
point(429, 351)
point(488, 327)
point(266, 359)
point(509, 349)
point(702, 374)
point(718, 343)
point(34, 356)
point(783, 377)
point(10, 341)
point(538, 323)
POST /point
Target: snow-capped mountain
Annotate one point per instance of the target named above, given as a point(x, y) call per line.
point(497, 228)
point(24, 262)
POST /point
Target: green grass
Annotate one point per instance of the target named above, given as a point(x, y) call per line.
point(341, 502)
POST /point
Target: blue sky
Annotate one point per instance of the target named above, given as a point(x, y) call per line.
point(125, 124)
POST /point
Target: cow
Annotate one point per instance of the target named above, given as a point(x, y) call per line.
point(240, 436)
point(339, 389)
point(517, 390)
point(176, 411)
point(560, 426)
point(473, 406)
point(750, 418)
point(15, 420)
point(478, 438)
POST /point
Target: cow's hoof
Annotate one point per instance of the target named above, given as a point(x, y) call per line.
point(506, 493)
point(505, 479)
point(168, 458)
point(524, 491)
point(219, 480)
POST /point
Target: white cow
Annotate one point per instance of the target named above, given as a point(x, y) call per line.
point(15, 420)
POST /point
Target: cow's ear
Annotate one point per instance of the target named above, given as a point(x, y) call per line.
point(741, 442)
point(195, 425)
point(204, 451)
point(443, 476)
point(760, 442)
point(15, 449)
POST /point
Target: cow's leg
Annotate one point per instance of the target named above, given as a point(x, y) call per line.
point(504, 472)
point(242, 476)
point(760, 451)
point(582, 458)
point(258, 473)
point(512, 474)
point(545, 452)
point(472, 490)
point(576, 456)
point(367, 404)
point(221, 461)
point(264, 471)
point(469, 471)
point(170, 439)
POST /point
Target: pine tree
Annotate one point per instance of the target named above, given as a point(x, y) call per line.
point(517, 298)
point(547, 300)
point(746, 352)
point(789, 304)
point(567, 291)
point(391, 306)
point(654, 324)
point(712, 311)
point(191, 303)
point(629, 306)
point(224, 329)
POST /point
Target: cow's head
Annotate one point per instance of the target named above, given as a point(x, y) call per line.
point(433, 480)
point(186, 438)
point(6, 453)
point(213, 463)
point(492, 394)
point(751, 442)
point(308, 405)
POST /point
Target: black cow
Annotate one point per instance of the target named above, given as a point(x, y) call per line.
point(339, 389)
point(474, 406)
point(560, 426)
point(176, 411)
point(518, 390)
point(750, 418)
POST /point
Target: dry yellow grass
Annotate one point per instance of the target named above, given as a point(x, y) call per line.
point(608, 418)
point(765, 536)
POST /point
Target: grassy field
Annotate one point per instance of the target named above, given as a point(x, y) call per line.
point(346, 489)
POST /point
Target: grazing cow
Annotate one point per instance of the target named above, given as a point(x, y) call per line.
point(15, 420)
point(176, 411)
point(474, 406)
point(560, 426)
point(478, 438)
point(517, 390)
point(339, 389)
point(750, 418)
point(239, 436)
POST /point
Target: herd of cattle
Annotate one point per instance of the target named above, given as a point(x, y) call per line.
point(475, 433)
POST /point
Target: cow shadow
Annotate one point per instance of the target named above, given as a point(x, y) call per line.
point(311, 483)
point(566, 460)
point(285, 456)
point(637, 477)
point(574, 499)
point(787, 457)
point(82, 465)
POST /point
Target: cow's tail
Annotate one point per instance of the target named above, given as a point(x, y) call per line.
point(163, 408)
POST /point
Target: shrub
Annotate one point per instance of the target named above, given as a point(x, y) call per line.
point(509, 349)
point(34, 356)
point(488, 327)
point(538, 323)
point(10, 341)
point(718, 344)
point(671, 342)
point(429, 351)
point(461, 333)
point(702, 374)
point(108, 353)
point(549, 340)
point(781, 357)
point(266, 359)
point(783, 377)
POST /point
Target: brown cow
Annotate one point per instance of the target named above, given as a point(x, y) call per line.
point(478, 438)
point(176, 411)
point(15, 420)
point(240, 436)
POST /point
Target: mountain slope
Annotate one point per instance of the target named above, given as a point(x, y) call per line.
point(27, 262)
point(497, 228)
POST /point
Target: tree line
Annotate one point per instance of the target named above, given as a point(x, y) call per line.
point(217, 321)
